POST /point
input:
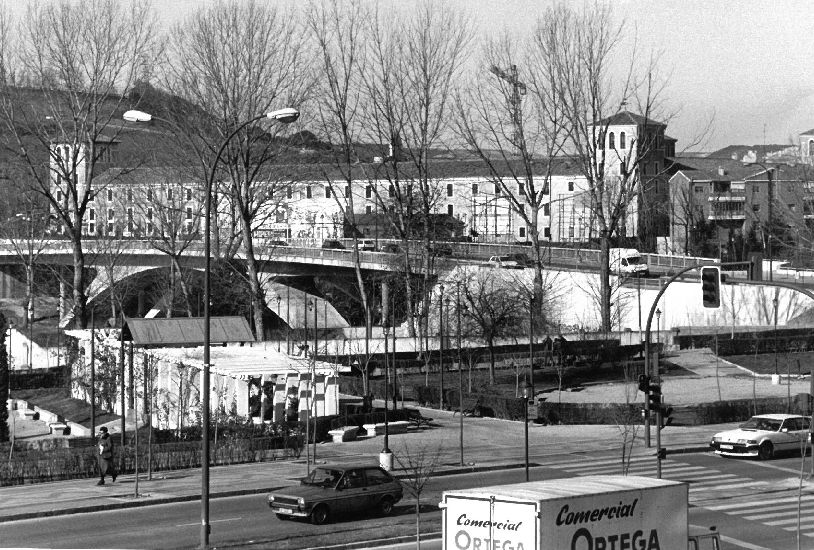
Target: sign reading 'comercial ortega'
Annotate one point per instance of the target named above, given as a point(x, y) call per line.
point(631, 520)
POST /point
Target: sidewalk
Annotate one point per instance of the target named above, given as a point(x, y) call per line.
point(489, 444)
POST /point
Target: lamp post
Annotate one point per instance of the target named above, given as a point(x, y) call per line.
point(774, 304)
point(460, 373)
point(279, 299)
point(658, 335)
point(284, 116)
point(441, 345)
point(527, 389)
point(770, 191)
point(531, 342)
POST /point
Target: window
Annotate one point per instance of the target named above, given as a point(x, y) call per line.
point(376, 477)
point(611, 142)
point(111, 218)
point(130, 220)
point(600, 143)
point(169, 193)
point(149, 221)
point(450, 210)
point(522, 233)
point(699, 188)
point(520, 188)
point(188, 221)
point(571, 231)
point(59, 196)
point(110, 195)
point(347, 191)
point(570, 185)
point(622, 140)
point(368, 209)
point(188, 192)
point(129, 195)
point(279, 216)
point(474, 188)
point(149, 195)
point(391, 190)
point(92, 221)
point(522, 208)
point(547, 232)
point(656, 168)
point(327, 191)
point(307, 191)
point(449, 190)
point(369, 191)
point(289, 192)
point(497, 189)
point(792, 208)
point(547, 209)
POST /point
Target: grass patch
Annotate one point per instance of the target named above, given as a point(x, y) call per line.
point(794, 363)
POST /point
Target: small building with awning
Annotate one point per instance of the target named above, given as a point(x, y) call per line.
point(248, 379)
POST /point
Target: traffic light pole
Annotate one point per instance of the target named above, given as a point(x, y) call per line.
point(648, 368)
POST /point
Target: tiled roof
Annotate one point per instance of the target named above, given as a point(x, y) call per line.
point(626, 117)
point(741, 150)
point(707, 169)
point(807, 133)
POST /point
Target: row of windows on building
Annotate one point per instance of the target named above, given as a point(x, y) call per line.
point(150, 196)
point(131, 226)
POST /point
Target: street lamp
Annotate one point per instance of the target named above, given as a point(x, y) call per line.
point(441, 345)
point(284, 116)
point(460, 373)
point(527, 392)
point(279, 299)
point(774, 303)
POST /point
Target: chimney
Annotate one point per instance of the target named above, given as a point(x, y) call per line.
point(735, 156)
point(721, 171)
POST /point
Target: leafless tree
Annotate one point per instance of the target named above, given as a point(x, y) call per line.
point(496, 306)
point(76, 59)
point(508, 116)
point(236, 61)
point(419, 464)
point(414, 60)
point(583, 48)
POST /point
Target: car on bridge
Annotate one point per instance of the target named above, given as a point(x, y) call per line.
point(338, 489)
point(333, 244)
point(763, 436)
point(506, 262)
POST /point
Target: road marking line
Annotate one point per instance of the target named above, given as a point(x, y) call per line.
point(757, 504)
point(210, 521)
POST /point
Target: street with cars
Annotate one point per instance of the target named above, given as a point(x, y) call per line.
point(753, 503)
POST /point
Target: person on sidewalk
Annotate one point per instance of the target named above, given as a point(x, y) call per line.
point(105, 456)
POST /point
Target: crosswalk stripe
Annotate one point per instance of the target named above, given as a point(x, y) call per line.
point(778, 511)
point(757, 504)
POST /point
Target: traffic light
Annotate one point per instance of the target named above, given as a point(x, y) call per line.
point(654, 397)
point(711, 287)
point(644, 383)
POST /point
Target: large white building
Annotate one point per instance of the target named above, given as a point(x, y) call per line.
point(310, 201)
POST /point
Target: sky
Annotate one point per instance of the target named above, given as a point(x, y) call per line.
point(743, 67)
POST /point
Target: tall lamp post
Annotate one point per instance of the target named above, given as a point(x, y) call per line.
point(460, 374)
point(441, 345)
point(285, 116)
point(279, 299)
point(527, 392)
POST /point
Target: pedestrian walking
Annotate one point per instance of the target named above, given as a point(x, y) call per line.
point(105, 456)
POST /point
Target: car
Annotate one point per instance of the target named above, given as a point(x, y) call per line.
point(522, 259)
point(391, 248)
point(366, 245)
point(277, 242)
point(763, 436)
point(441, 250)
point(333, 489)
point(333, 244)
point(505, 262)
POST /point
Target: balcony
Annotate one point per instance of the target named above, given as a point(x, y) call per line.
point(727, 207)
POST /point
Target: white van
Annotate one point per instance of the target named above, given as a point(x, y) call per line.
point(628, 261)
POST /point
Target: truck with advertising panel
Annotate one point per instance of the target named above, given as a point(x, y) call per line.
point(590, 513)
point(628, 261)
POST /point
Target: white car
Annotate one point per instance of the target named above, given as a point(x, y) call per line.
point(505, 262)
point(763, 436)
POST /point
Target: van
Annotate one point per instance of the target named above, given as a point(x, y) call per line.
point(366, 245)
point(628, 261)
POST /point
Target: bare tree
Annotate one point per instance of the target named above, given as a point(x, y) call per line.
point(496, 306)
point(237, 61)
point(582, 47)
point(77, 57)
point(414, 59)
point(419, 464)
point(511, 120)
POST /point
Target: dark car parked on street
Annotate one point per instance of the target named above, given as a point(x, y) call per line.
point(333, 244)
point(333, 490)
